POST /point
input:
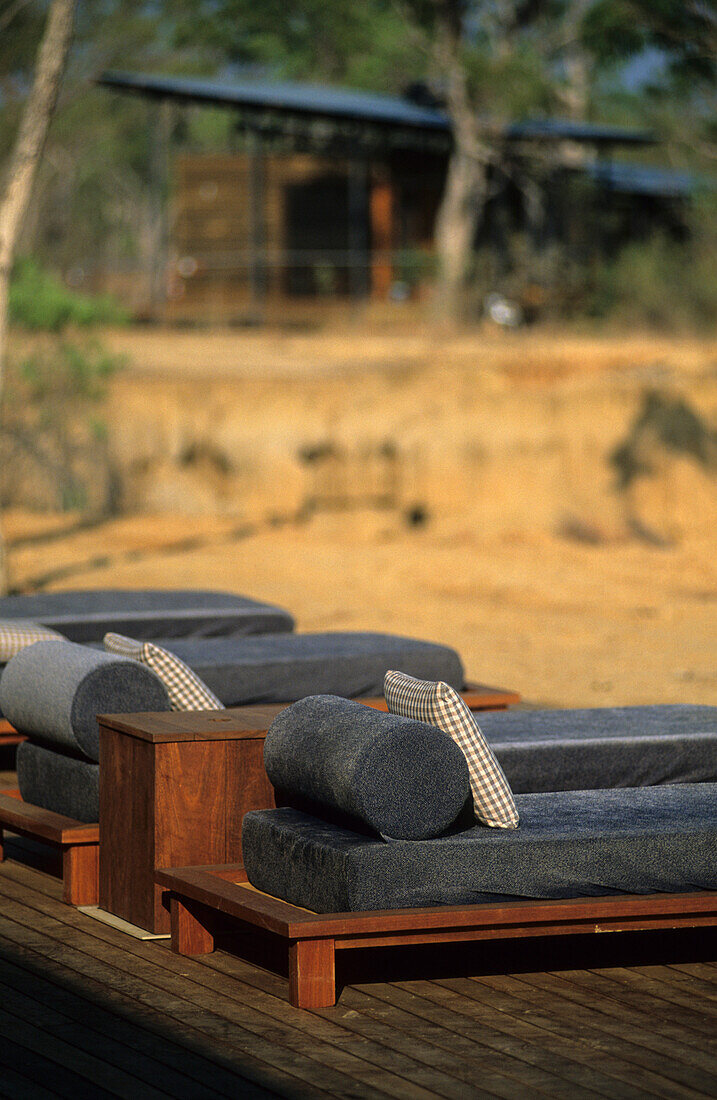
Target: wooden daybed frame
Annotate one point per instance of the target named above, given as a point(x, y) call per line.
point(79, 842)
point(9, 735)
point(203, 899)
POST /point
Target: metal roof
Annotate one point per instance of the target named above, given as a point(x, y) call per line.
point(549, 129)
point(320, 101)
point(636, 179)
point(286, 97)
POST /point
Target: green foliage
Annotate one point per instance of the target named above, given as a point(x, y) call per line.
point(366, 45)
point(68, 371)
point(39, 301)
point(53, 438)
point(611, 32)
point(510, 86)
point(658, 283)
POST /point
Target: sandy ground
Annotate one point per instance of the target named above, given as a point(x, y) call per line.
point(527, 564)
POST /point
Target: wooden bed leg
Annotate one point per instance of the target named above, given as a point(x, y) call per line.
point(192, 927)
point(80, 874)
point(2, 844)
point(312, 973)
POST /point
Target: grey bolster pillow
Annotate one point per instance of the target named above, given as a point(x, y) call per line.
point(404, 779)
point(53, 691)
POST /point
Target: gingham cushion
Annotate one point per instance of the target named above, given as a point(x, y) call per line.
point(15, 634)
point(186, 691)
point(123, 646)
point(439, 705)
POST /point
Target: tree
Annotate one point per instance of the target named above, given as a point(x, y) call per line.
point(26, 155)
point(682, 38)
point(489, 60)
point(495, 61)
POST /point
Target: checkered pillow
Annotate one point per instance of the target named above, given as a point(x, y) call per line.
point(186, 691)
point(16, 634)
point(439, 705)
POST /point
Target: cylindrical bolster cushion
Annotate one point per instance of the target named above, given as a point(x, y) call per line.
point(53, 691)
point(404, 779)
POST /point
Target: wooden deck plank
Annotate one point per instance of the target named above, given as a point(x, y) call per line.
point(520, 1036)
point(436, 1045)
point(696, 975)
point(14, 1084)
point(692, 1016)
point(212, 1026)
point(28, 997)
point(279, 1043)
point(658, 1075)
point(592, 1046)
point(276, 1006)
point(224, 1025)
point(661, 986)
point(82, 1081)
point(221, 1041)
point(512, 1069)
point(436, 1000)
point(661, 1039)
point(30, 1064)
point(380, 1055)
point(443, 1075)
point(191, 1057)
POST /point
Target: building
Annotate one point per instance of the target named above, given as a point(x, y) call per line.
point(334, 194)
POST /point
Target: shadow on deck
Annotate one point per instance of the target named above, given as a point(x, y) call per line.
point(89, 1012)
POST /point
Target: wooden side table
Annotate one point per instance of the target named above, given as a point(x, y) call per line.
point(174, 788)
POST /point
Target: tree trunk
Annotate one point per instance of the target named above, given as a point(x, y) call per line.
point(466, 187)
point(464, 197)
point(23, 165)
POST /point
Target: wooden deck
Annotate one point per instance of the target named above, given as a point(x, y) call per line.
point(87, 1011)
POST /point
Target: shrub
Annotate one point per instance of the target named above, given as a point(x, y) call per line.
point(39, 301)
point(660, 283)
point(53, 439)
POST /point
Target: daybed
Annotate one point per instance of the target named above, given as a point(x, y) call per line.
point(376, 844)
point(87, 615)
point(641, 746)
point(53, 691)
point(281, 668)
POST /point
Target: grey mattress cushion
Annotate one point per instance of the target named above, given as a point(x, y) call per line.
point(53, 692)
point(569, 844)
point(86, 616)
point(394, 775)
point(64, 784)
point(280, 668)
point(557, 750)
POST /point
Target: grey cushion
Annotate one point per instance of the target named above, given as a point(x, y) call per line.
point(280, 668)
point(58, 782)
point(53, 691)
point(556, 750)
point(569, 844)
point(86, 616)
point(396, 776)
